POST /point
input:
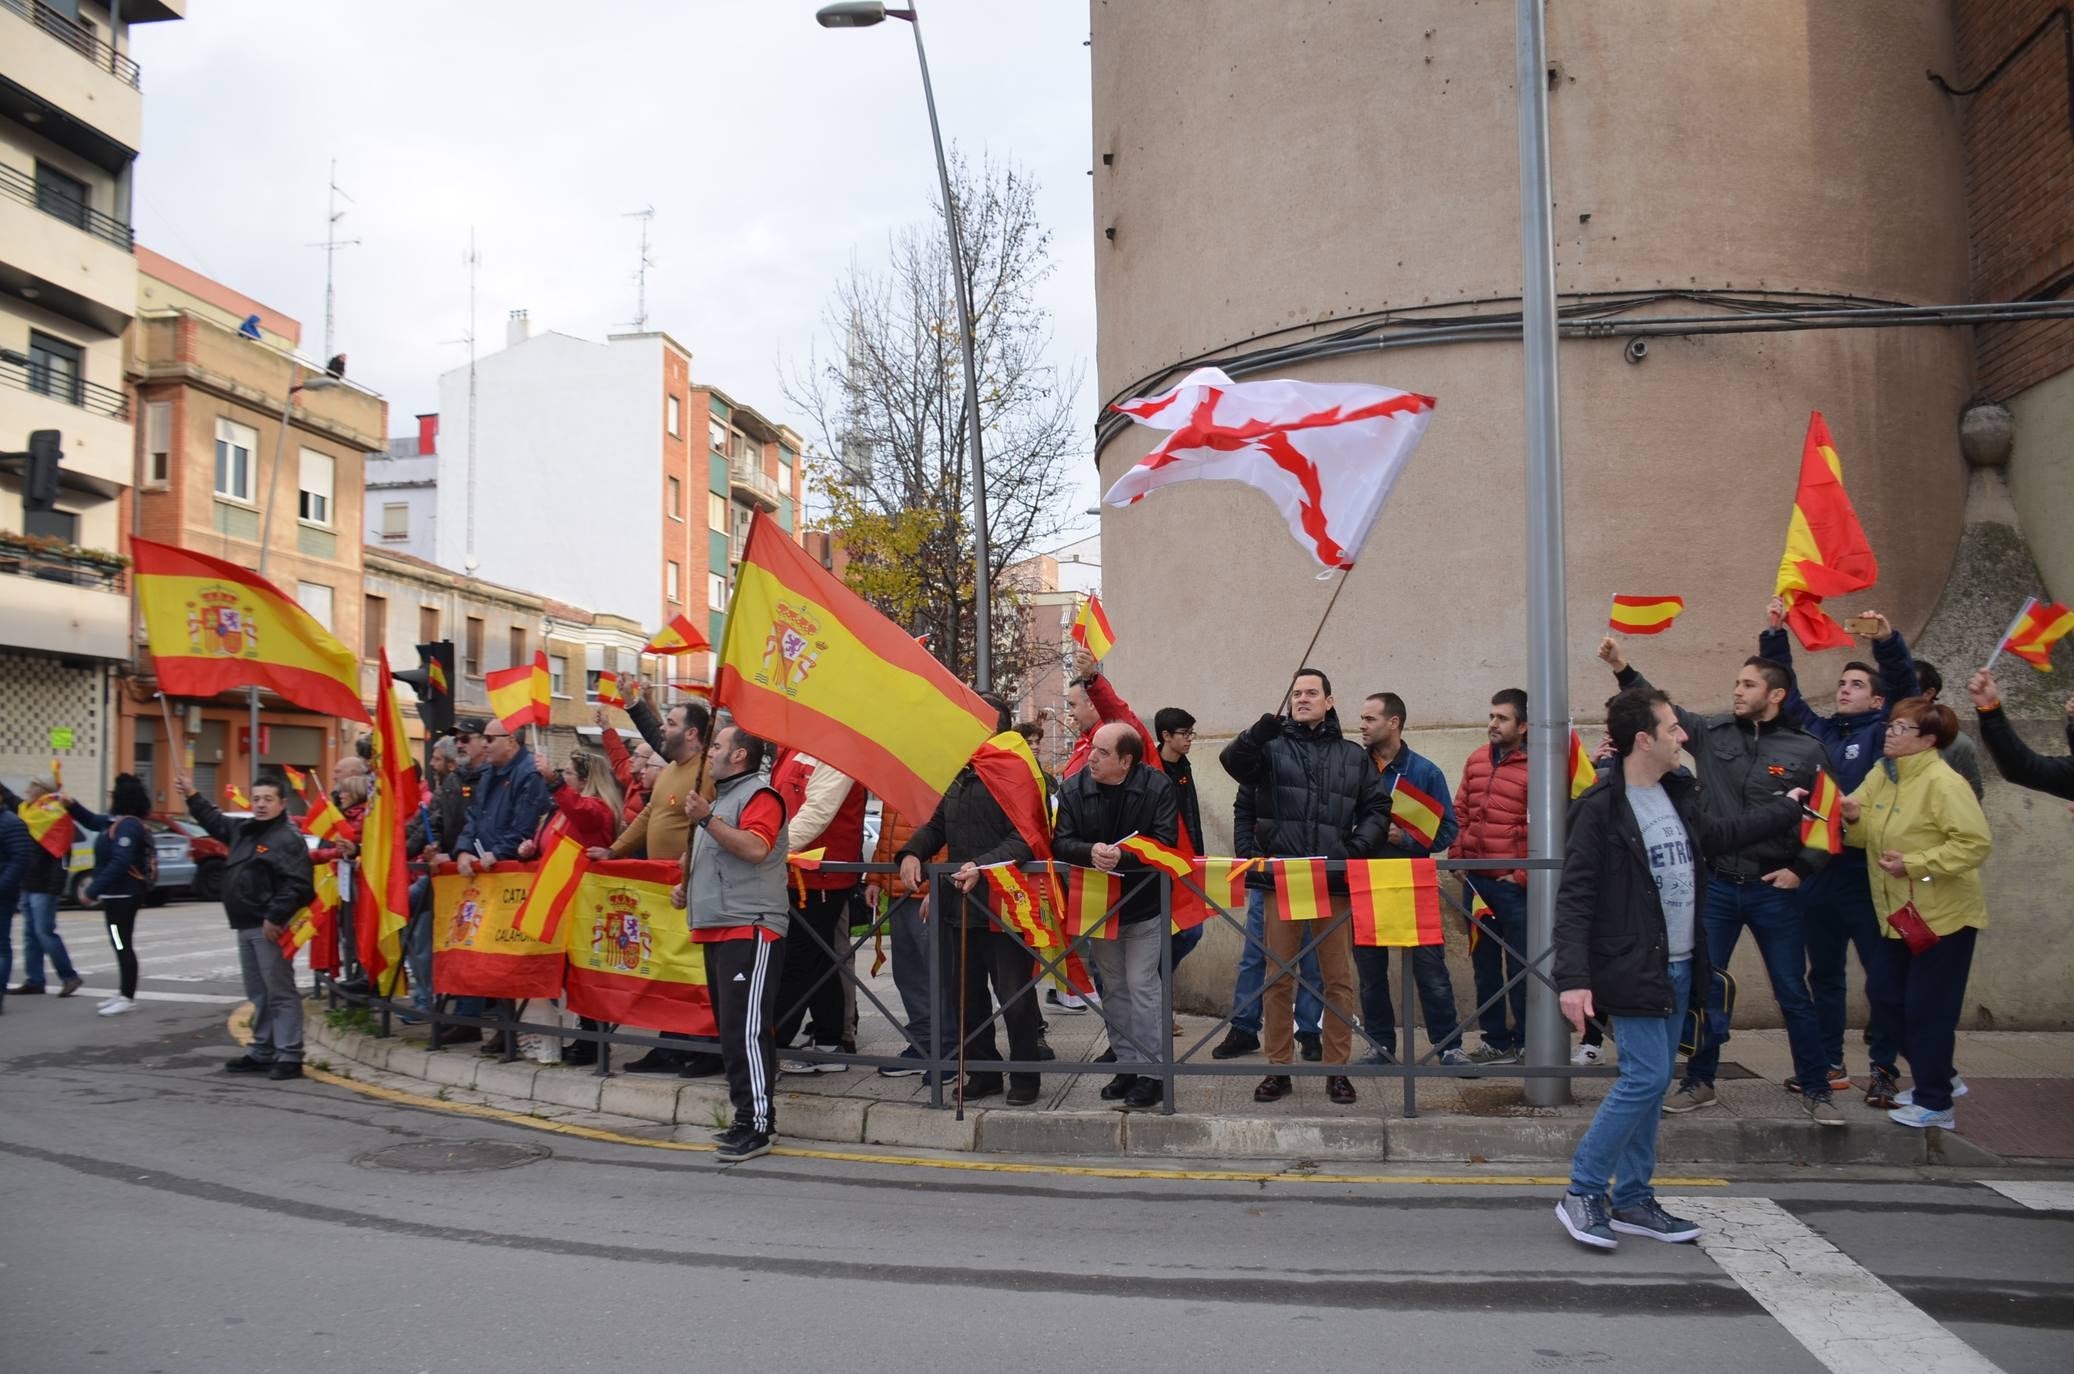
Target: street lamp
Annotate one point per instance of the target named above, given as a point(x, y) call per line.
point(862, 14)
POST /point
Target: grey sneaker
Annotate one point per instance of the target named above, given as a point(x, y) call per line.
point(1489, 1054)
point(1688, 1097)
point(1587, 1221)
point(1651, 1220)
point(1454, 1057)
point(1822, 1111)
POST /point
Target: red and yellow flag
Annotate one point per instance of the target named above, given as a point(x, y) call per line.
point(1017, 907)
point(236, 795)
point(213, 625)
point(435, 676)
point(478, 949)
point(1396, 902)
point(1479, 912)
point(323, 819)
point(297, 779)
point(1645, 615)
point(384, 866)
point(1301, 893)
point(1091, 628)
point(314, 924)
point(50, 825)
point(1827, 553)
point(807, 663)
point(1090, 895)
point(610, 693)
point(2038, 627)
point(1415, 813)
point(1225, 879)
point(1583, 772)
point(1163, 857)
point(539, 916)
point(632, 960)
point(518, 695)
point(680, 636)
point(1824, 829)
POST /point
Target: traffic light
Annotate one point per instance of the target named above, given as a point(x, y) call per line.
point(433, 681)
point(40, 479)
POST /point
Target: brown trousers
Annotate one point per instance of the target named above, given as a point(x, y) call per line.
point(1286, 941)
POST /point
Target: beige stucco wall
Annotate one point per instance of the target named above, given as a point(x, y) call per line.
point(2041, 478)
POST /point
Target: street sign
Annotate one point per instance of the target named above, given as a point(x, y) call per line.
point(61, 738)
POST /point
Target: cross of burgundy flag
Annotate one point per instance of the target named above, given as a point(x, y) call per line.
point(1326, 453)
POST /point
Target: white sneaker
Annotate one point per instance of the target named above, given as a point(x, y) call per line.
point(1907, 1096)
point(829, 1065)
point(107, 1002)
point(798, 1066)
point(116, 1005)
point(1065, 1001)
point(1587, 1057)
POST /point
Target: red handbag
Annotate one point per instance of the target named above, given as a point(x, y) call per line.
point(1909, 924)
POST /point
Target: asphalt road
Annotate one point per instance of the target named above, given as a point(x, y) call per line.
point(163, 1216)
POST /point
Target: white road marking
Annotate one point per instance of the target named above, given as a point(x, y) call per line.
point(2039, 1197)
point(216, 999)
point(1845, 1316)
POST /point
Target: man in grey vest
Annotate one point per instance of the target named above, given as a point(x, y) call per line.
point(736, 894)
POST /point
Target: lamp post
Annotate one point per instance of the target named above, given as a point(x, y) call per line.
point(862, 14)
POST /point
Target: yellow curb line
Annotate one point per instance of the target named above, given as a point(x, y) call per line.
point(240, 1031)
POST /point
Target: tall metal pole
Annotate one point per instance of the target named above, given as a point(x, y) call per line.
point(983, 586)
point(1547, 631)
point(266, 530)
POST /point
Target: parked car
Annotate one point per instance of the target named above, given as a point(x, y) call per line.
point(176, 863)
point(209, 855)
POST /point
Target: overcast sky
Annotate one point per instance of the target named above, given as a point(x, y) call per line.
point(773, 151)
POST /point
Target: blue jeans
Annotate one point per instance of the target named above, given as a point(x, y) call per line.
point(1921, 996)
point(1436, 995)
point(417, 944)
point(7, 905)
point(40, 937)
point(1493, 964)
point(1245, 993)
point(911, 974)
point(1836, 912)
point(1618, 1152)
point(1774, 919)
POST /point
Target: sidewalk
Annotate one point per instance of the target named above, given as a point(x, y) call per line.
point(2020, 1108)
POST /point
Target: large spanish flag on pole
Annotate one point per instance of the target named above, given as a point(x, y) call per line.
point(213, 626)
point(632, 960)
point(384, 865)
point(1827, 553)
point(807, 663)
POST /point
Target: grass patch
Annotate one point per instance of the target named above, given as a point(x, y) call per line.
point(351, 1019)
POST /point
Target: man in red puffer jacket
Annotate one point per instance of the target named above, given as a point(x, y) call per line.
point(1491, 805)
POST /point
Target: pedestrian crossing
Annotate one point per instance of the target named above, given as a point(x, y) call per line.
point(185, 954)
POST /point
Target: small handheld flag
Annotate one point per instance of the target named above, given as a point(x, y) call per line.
point(610, 693)
point(435, 676)
point(680, 636)
point(1164, 857)
point(1827, 553)
point(237, 797)
point(2037, 627)
point(1583, 772)
point(1822, 819)
point(1645, 615)
point(50, 825)
point(519, 694)
point(1091, 630)
point(1415, 813)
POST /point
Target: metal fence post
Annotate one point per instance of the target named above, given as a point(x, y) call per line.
point(1166, 993)
point(936, 998)
point(1407, 1047)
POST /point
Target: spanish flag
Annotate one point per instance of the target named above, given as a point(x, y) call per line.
point(2038, 627)
point(1645, 615)
point(680, 636)
point(297, 779)
point(435, 676)
point(478, 947)
point(1415, 813)
point(1163, 857)
point(539, 916)
point(1016, 905)
point(384, 866)
point(1009, 771)
point(610, 693)
point(1225, 879)
point(213, 625)
point(1823, 827)
point(50, 825)
point(1301, 893)
point(316, 922)
point(518, 695)
point(1092, 630)
point(1827, 553)
point(1396, 902)
point(631, 958)
point(1479, 912)
point(807, 663)
point(238, 800)
point(323, 819)
point(1091, 896)
point(1583, 772)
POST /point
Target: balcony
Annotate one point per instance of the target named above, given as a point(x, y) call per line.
point(19, 185)
point(94, 419)
point(64, 256)
point(73, 72)
point(63, 601)
point(749, 482)
point(79, 38)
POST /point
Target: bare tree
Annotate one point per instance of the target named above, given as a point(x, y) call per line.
point(887, 395)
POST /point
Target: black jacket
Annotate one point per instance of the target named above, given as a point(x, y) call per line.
point(17, 859)
point(1745, 766)
point(1316, 793)
point(1145, 806)
point(970, 825)
point(2020, 763)
point(449, 812)
point(267, 876)
point(1190, 807)
point(1609, 921)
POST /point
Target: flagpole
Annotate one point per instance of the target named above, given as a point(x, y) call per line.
point(2003, 642)
point(1304, 659)
point(175, 749)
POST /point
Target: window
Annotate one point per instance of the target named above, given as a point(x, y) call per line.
point(748, 452)
point(235, 444)
point(396, 520)
point(55, 368)
point(784, 477)
point(518, 645)
point(716, 591)
point(51, 524)
point(471, 662)
point(315, 503)
point(428, 624)
point(676, 417)
point(374, 625)
point(670, 575)
point(315, 598)
point(716, 511)
point(158, 443)
point(557, 675)
point(717, 434)
point(60, 195)
point(674, 497)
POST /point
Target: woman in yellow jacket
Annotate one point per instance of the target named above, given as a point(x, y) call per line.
point(1924, 839)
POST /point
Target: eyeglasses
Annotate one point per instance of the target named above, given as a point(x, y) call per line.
point(1182, 734)
point(1902, 727)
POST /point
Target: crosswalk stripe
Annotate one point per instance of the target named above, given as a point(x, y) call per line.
point(214, 999)
point(1842, 1312)
point(2039, 1197)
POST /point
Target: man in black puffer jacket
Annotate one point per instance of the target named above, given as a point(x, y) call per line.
point(1315, 795)
point(266, 880)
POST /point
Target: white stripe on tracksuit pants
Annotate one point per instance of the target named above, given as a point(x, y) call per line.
point(742, 977)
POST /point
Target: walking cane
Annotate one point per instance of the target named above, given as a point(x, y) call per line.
point(964, 934)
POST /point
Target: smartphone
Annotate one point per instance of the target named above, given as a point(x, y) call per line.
point(1863, 626)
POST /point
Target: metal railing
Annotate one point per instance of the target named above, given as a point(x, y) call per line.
point(27, 560)
point(91, 397)
point(78, 37)
point(19, 185)
point(945, 1060)
point(747, 474)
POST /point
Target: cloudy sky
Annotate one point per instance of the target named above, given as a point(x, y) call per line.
point(773, 152)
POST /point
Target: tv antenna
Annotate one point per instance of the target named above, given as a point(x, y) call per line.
point(332, 243)
point(470, 562)
point(640, 320)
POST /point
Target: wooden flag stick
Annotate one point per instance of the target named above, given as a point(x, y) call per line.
point(176, 747)
point(2003, 642)
point(1305, 658)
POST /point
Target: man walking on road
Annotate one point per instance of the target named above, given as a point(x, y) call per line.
point(1627, 947)
point(266, 880)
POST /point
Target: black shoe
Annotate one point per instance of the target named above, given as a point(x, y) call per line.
point(27, 990)
point(748, 1145)
point(979, 1085)
point(732, 1132)
point(1118, 1087)
point(245, 1063)
point(702, 1066)
point(1312, 1044)
point(1022, 1089)
point(580, 1054)
point(1273, 1088)
point(495, 1044)
point(285, 1068)
point(656, 1061)
point(1107, 1056)
point(1235, 1043)
point(1340, 1090)
point(1045, 1051)
point(1145, 1094)
point(358, 985)
point(459, 1035)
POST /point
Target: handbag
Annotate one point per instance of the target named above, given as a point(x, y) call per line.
point(1914, 931)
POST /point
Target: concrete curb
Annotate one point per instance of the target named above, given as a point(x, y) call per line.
point(1443, 1139)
